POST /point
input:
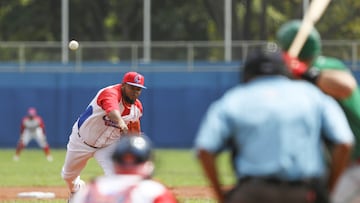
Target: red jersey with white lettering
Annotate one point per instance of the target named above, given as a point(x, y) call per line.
point(96, 129)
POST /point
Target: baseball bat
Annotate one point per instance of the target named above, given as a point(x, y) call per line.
point(313, 14)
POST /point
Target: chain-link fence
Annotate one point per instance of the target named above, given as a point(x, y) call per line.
point(164, 56)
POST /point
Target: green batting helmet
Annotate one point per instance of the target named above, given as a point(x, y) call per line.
point(287, 33)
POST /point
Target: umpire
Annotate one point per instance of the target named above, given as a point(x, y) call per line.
point(274, 128)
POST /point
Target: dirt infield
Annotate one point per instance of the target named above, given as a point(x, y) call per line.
point(10, 193)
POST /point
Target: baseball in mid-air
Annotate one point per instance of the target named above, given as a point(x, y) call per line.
point(73, 45)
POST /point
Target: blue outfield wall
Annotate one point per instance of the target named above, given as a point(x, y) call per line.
point(174, 102)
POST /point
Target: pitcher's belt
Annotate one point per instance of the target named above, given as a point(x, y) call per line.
point(87, 143)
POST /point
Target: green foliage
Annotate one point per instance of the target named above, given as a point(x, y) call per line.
point(196, 20)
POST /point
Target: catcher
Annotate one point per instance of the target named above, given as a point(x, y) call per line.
point(132, 181)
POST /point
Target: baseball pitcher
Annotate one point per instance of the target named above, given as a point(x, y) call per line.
point(114, 110)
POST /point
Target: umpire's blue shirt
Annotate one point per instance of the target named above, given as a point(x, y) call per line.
point(275, 125)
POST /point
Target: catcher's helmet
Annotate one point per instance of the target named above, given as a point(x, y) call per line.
point(132, 150)
point(286, 34)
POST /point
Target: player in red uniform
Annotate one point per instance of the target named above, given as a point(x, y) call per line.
point(114, 110)
point(32, 127)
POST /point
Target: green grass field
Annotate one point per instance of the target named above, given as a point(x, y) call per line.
point(175, 168)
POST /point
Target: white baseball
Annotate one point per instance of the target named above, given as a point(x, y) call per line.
point(73, 45)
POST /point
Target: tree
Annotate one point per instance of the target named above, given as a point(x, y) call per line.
point(189, 20)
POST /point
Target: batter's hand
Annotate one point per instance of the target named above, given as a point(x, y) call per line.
point(296, 67)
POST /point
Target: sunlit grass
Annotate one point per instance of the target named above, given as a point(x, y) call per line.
point(174, 168)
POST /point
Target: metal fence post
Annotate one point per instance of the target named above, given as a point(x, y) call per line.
point(22, 58)
point(78, 60)
point(190, 56)
point(134, 56)
point(354, 55)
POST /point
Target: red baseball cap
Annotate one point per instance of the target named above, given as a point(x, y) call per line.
point(135, 79)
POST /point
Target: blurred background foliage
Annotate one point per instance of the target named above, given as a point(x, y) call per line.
point(186, 20)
